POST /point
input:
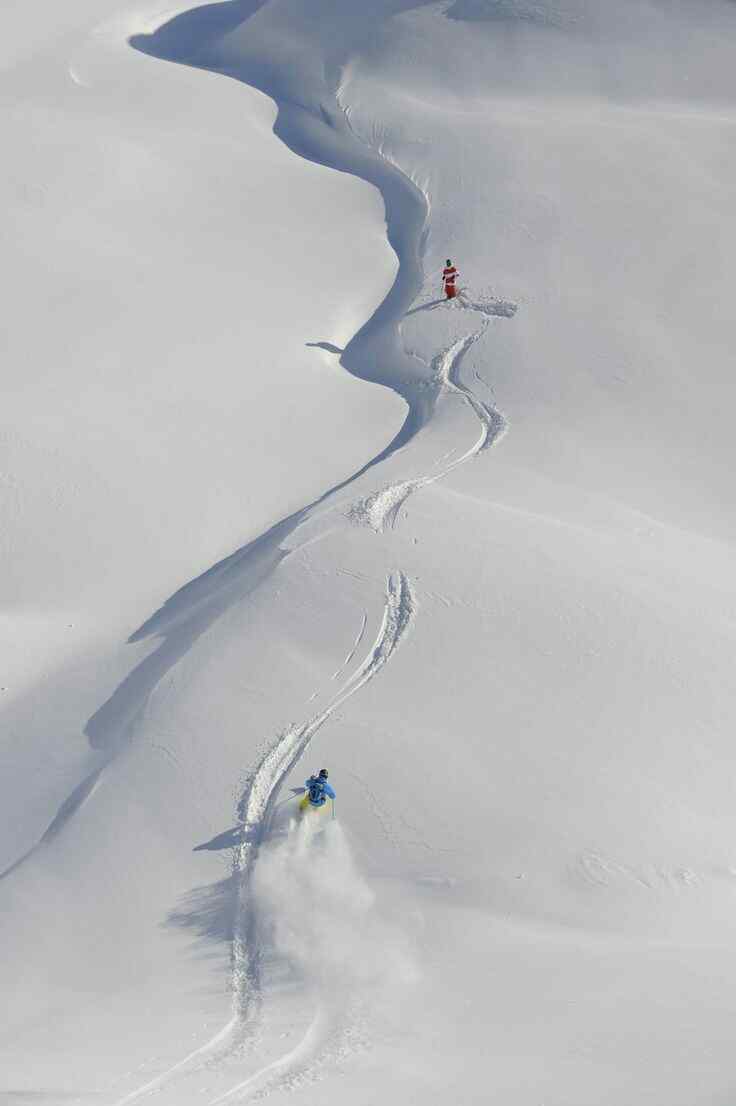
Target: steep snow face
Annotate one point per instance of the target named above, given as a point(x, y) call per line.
point(515, 660)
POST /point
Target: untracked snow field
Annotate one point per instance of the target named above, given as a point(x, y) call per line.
point(268, 503)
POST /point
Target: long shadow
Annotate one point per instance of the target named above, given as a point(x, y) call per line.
point(67, 810)
point(311, 123)
point(236, 835)
point(187, 37)
point(228, 839)
point(330, 347)
point(427, 306)
point(208, 912)
point(320, 132)
point(191, 610)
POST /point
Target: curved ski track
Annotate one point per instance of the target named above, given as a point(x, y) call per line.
point(382, 508)
point(256, 808)
point(258, 803)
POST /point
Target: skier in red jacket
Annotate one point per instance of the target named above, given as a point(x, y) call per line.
point(449, 275)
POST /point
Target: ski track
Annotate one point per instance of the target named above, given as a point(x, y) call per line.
point(260, 798)
point(283, 1066)
point(336, 675)
point(255, 809)
point(491, 308)
point(382, 508)
point(211, 1048)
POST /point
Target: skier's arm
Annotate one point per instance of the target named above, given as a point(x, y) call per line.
point(329, 791)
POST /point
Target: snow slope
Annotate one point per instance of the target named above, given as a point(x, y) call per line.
point(509, 636)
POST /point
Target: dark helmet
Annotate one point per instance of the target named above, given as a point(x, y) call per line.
point(449, 262)
point(323, 773)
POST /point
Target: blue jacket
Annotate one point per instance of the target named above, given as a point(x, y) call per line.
point(318, 791)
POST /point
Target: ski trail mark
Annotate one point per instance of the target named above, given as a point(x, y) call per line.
point(382, 508)
point(257, 806)
point(354, 650)
point(208, 1049)
point(259, 800)
point(491, 308)
point(284, 1065)
point(255, 811)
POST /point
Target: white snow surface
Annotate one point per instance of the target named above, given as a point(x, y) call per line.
point(267, 502)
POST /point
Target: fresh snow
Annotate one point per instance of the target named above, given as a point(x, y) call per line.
point(268, 503)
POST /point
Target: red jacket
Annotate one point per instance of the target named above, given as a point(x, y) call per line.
point(448, 275)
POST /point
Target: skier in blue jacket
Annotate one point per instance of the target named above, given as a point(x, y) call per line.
point(318, 789)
